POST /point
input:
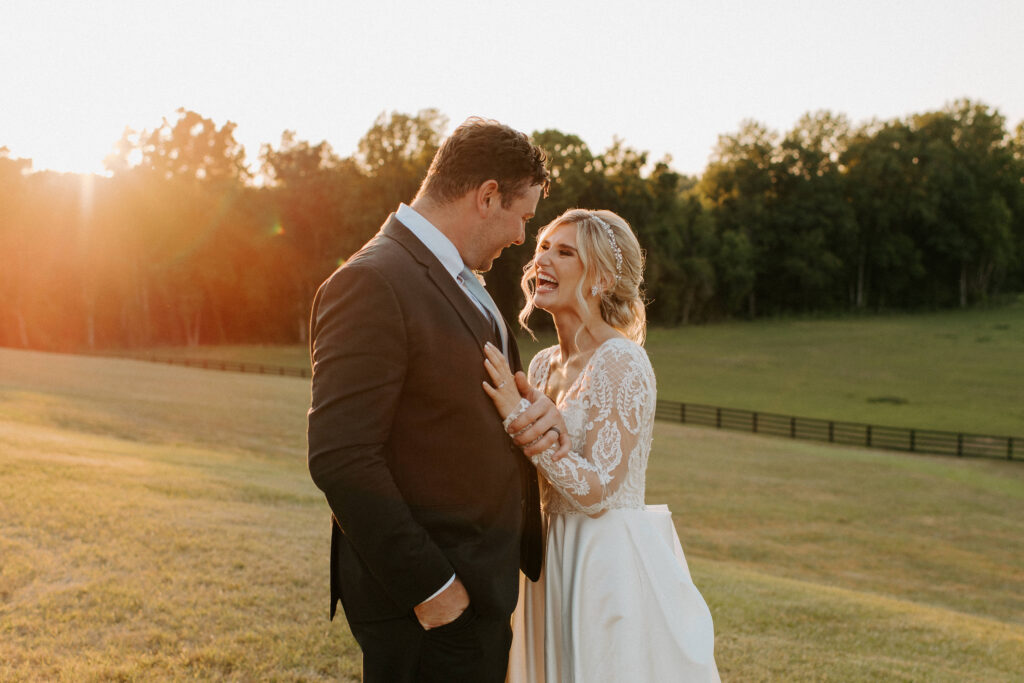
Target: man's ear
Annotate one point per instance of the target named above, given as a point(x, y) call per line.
point(487, 197)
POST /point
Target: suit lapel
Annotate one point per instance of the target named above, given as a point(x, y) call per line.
point(513, 351)
point(475, 321)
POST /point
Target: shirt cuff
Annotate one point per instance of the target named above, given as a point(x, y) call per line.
point(440, 590)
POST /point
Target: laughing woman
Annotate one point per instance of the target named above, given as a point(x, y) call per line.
point(615, 601)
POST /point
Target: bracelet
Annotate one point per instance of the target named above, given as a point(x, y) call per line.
point(514, 415)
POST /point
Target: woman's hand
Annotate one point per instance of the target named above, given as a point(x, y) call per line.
point(540, 426)
point(502, 390)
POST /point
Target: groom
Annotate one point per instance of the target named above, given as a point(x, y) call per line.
point(435, 509)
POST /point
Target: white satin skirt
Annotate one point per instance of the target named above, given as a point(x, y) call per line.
point(615, 602)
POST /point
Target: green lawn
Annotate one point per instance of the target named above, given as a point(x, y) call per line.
point(158, 522)
point(954, 370)
point(289, 356)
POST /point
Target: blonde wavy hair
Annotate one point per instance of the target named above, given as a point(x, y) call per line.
point(622, 299)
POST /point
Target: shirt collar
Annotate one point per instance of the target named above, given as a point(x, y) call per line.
point(432, 238)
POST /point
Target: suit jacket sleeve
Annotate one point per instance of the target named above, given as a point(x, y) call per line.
point(359, 362)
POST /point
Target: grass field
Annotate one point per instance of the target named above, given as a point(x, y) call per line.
point(158, 522)
point(954, 370)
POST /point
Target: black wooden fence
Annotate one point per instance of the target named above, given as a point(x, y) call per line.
point(849, 433)
point(832, 431)
point(227, 365)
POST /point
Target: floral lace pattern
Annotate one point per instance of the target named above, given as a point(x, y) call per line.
point(609, 414)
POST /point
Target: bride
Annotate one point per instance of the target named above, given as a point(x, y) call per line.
point(615, 601)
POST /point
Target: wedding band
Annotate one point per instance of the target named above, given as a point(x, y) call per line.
point(556, 430)
point(500, 386)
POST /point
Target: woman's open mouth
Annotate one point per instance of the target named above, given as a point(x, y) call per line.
point(546, 283)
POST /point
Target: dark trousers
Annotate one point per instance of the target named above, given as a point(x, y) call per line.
point(470, 649)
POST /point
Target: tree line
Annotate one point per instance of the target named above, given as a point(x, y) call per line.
point(184, 243)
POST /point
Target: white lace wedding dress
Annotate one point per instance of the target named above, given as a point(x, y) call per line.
point(615, 601)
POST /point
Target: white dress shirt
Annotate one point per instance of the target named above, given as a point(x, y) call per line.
point(441, 247)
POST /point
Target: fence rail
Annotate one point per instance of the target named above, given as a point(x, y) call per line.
point(227, 365)
point(848, 433)
point(809, 428)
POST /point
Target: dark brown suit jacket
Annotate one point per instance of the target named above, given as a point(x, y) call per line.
point(421, 477)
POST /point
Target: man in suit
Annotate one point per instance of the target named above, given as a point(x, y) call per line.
point(435, 507)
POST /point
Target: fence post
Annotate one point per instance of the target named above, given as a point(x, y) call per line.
point(1009, 448)
point(718, 418)
point(755, 422)
point(913, 439)
point(792, 427)
point(831, 431)
point(960, 444)
point(867, 436)
point(682, 413)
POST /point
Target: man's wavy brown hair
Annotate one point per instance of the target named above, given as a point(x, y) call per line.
point(480, 150)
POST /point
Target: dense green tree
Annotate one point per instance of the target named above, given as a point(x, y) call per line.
point(574, 182)
point(315, 193)
point(571, 166)
point(17, 245)
point(182, 245)
point(183, 184)
point(735, 270)
point(739, 186)
point(394, 155)
point(877, 162)
point(681, 278)
point(964, 217)
point(1015, 278)
point(191, 147)
point(813, 226)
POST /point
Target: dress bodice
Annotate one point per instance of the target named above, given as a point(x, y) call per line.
point(609, 414)
point(615, 600)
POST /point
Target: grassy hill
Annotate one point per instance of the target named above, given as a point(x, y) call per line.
point(158, 522)
point(952, 370)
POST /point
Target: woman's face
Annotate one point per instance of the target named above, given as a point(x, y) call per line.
point(558, 269)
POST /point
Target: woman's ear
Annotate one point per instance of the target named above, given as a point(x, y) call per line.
point(600, 286)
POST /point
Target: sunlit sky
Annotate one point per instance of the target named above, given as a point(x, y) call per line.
point(665, 76)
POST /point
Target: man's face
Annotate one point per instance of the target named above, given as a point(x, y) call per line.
point(505, 226)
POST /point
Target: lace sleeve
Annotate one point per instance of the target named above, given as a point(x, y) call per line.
point(537, 373)
point(617, 395)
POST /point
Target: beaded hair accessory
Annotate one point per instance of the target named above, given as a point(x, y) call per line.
point(615, 246)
